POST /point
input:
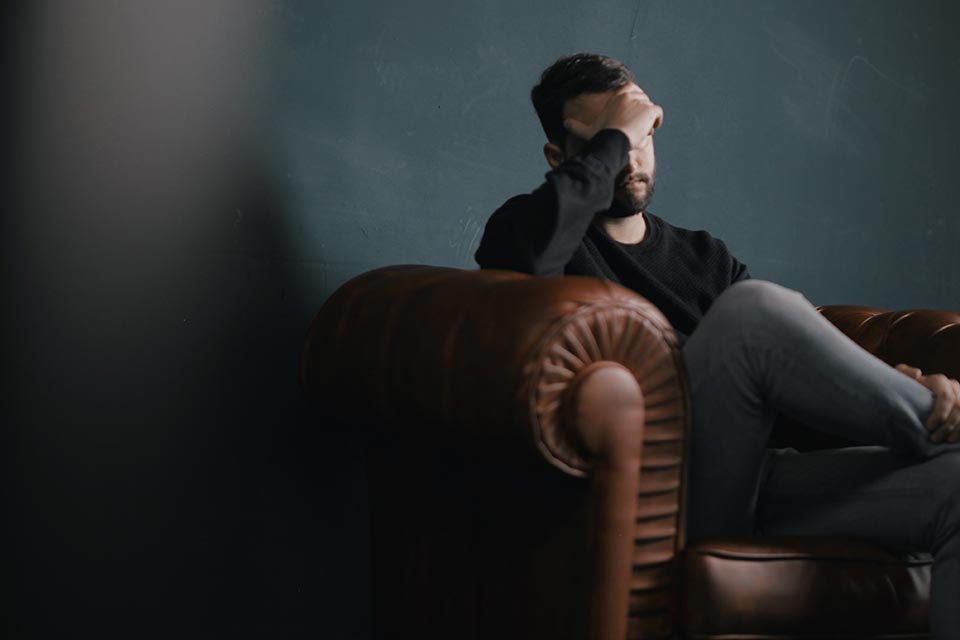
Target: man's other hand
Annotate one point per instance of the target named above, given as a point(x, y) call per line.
point(629, 109)
point(944, 421)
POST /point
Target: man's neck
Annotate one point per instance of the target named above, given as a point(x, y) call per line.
point(629, 230)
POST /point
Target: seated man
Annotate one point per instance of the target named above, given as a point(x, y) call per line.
point(753, 349)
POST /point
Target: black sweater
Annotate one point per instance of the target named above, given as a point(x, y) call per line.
point(552, 232)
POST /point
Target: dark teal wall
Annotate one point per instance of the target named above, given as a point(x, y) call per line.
point(185, 184)
point(818, 139)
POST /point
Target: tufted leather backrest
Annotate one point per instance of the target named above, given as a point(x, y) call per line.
point(926, 339)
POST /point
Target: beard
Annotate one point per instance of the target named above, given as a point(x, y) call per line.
point(626, 200)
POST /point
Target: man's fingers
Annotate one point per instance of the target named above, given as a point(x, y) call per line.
point(954, 422)
point(943, 423)
point(906, 369)
point(943, 401)
point(949, 430)
point(632, 88)
point(632, 93)
point(658, 120)
point(944, 419)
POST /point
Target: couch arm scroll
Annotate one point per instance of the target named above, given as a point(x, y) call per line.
point(489, 355)
point(507, 367)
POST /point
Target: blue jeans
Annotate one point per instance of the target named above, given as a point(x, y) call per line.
point(763, 350)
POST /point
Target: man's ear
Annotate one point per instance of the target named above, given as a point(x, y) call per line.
point(554, 155)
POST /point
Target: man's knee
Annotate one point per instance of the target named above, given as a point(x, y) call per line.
point(750, 301)
point(759, 294)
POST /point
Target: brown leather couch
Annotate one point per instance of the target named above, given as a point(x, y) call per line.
point(526, 444)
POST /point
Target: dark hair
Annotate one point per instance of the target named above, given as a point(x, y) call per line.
point(567, 78)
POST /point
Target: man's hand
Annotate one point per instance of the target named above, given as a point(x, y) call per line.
point(629, 110)
point(944, 421)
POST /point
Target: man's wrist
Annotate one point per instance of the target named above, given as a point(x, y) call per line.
point(611, 147)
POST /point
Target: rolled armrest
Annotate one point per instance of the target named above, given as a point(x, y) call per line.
point(926, 339)
point(489, 354)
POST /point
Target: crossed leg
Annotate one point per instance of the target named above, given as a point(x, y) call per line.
point(877, 495)
point(763, 350)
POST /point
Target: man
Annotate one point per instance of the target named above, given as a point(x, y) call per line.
point(753, 350)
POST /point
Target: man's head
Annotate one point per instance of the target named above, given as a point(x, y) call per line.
point(568, 78)
point(579, 87)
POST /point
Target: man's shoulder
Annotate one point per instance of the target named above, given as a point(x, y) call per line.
point(513, 208)
point(518, 200)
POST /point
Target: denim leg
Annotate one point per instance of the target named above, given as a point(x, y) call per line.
point(877, 495)
point(763, 349)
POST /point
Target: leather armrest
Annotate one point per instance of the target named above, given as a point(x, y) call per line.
point(926, 339)
point(480, 369)
point(492, 355)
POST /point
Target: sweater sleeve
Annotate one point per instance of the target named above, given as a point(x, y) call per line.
point(537, 233)
point(738, 271)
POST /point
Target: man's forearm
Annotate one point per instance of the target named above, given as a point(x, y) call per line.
point(538, 233)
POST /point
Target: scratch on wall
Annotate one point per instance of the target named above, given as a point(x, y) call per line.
point(826, 93)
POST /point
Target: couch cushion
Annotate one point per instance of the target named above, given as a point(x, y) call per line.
point(802, 588)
